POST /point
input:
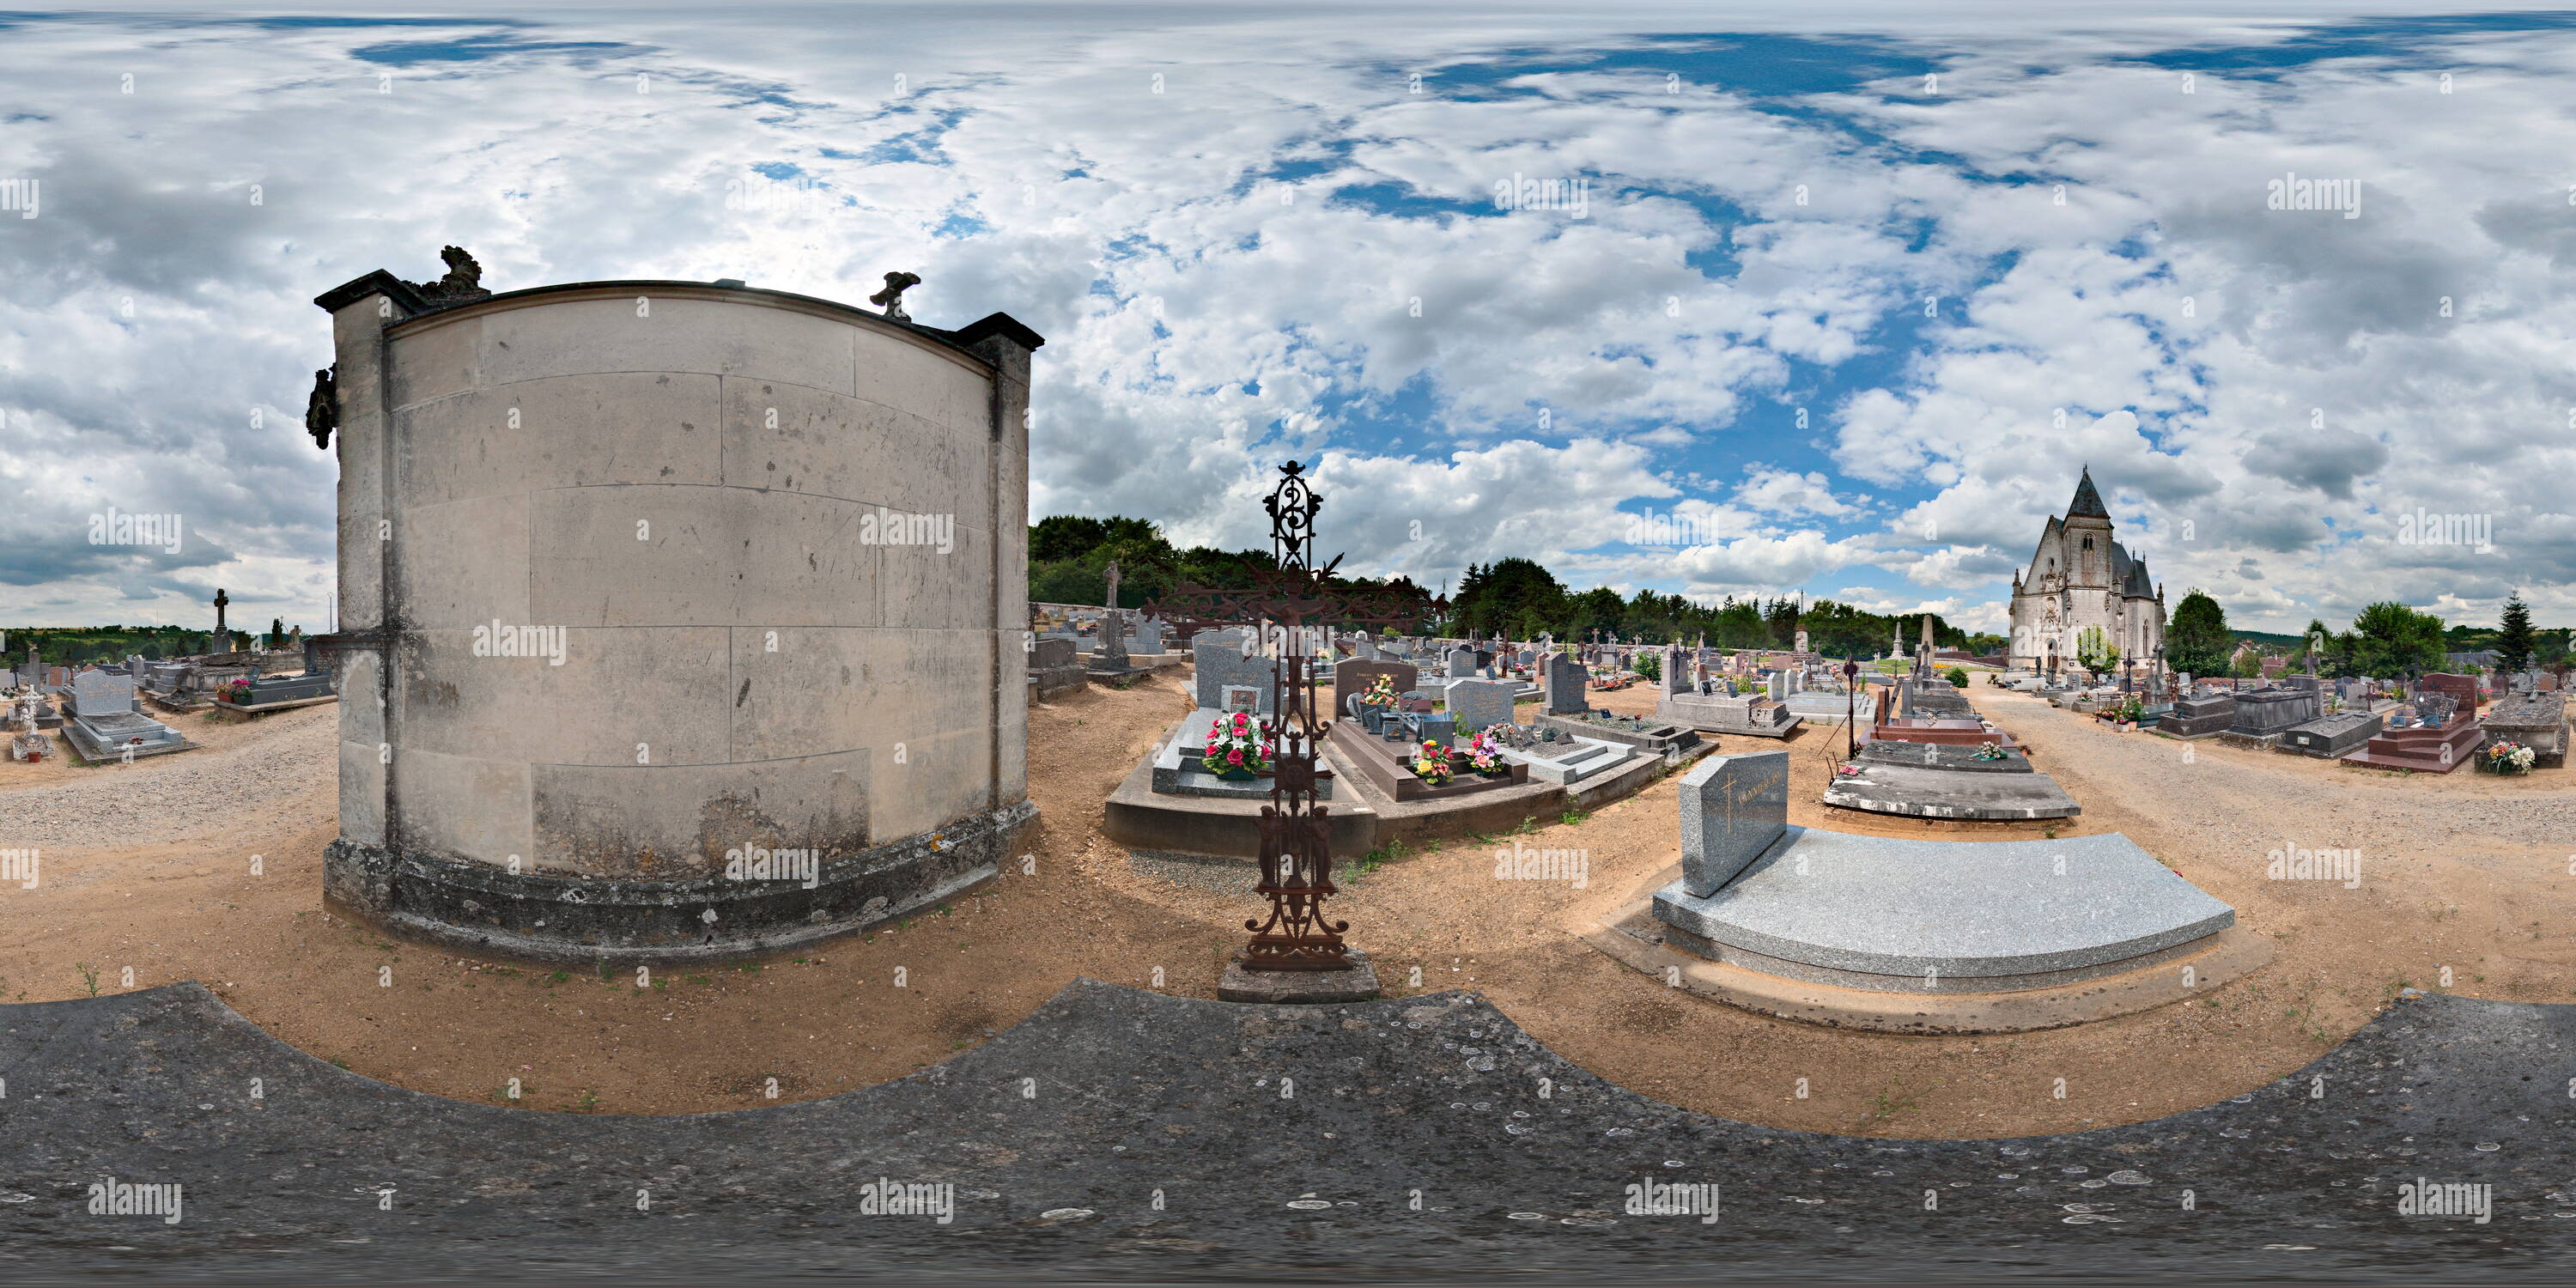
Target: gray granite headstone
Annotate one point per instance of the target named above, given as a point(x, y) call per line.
point(1672, 680)
point(1462, 663)
point(1110, 654)
point(98, 693)
point(1563, 679)
point(1218, 662)
point(1478, 705)
point(1733, 808)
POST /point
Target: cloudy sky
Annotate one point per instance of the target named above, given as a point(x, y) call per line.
point(1845, 304)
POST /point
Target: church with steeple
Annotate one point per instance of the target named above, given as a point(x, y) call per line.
point(2080, 577)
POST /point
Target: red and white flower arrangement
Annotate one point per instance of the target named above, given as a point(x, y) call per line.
point(1236, 743)
point(1431, 765)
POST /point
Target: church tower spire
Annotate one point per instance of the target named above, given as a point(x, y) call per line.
point(2087, 503)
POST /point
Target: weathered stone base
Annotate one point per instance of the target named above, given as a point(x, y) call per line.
point(264, 708)
point(552, 917)
point(1299, 987)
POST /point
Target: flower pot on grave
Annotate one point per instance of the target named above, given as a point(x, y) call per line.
point(1236, 774)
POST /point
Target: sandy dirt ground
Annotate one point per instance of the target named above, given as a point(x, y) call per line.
point(150, 870)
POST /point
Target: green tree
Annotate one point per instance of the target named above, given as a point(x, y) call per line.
point(2196, 640)
point(2318, 646)
point(2514, 643)
point(2389, 637)
point(2095, 649)
point(1958, 677)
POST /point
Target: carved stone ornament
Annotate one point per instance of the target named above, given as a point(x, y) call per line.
point(322, 408)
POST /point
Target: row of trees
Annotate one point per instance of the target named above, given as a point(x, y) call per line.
point(79, 646)
point(1069, 557)
point(1520, 599)
point(2385, 639)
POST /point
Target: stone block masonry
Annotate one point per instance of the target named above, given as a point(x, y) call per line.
point(800, 519)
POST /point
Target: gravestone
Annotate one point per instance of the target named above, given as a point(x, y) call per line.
point(1462, 664)
point(2265, 713)
point(2460, 689)
point(1673, 681)
point(98, 693)
point(1778, 686)
point(2332, 737)
point(1733, 808)
point(1563, 680)
point(2199, 716)
point(2536, 720)
point(1353, 676)
point(1111, 653)
point(1478, 705)
point(1218, 660)
point(1147, 637)
point(1431, 726)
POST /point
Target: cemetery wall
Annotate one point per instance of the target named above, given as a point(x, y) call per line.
point(652, 577)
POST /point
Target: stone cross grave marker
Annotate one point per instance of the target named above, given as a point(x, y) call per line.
point(1111, 653)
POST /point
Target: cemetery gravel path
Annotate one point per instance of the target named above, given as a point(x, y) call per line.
point(245, 784)
point(144, 873)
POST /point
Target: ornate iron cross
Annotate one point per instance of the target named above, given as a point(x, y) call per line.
point(1296, 832)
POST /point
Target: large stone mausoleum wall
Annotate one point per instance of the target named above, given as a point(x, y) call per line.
point(781, 546)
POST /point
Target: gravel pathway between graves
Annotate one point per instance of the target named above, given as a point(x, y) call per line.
point(258, 777)
point(2466, 872)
